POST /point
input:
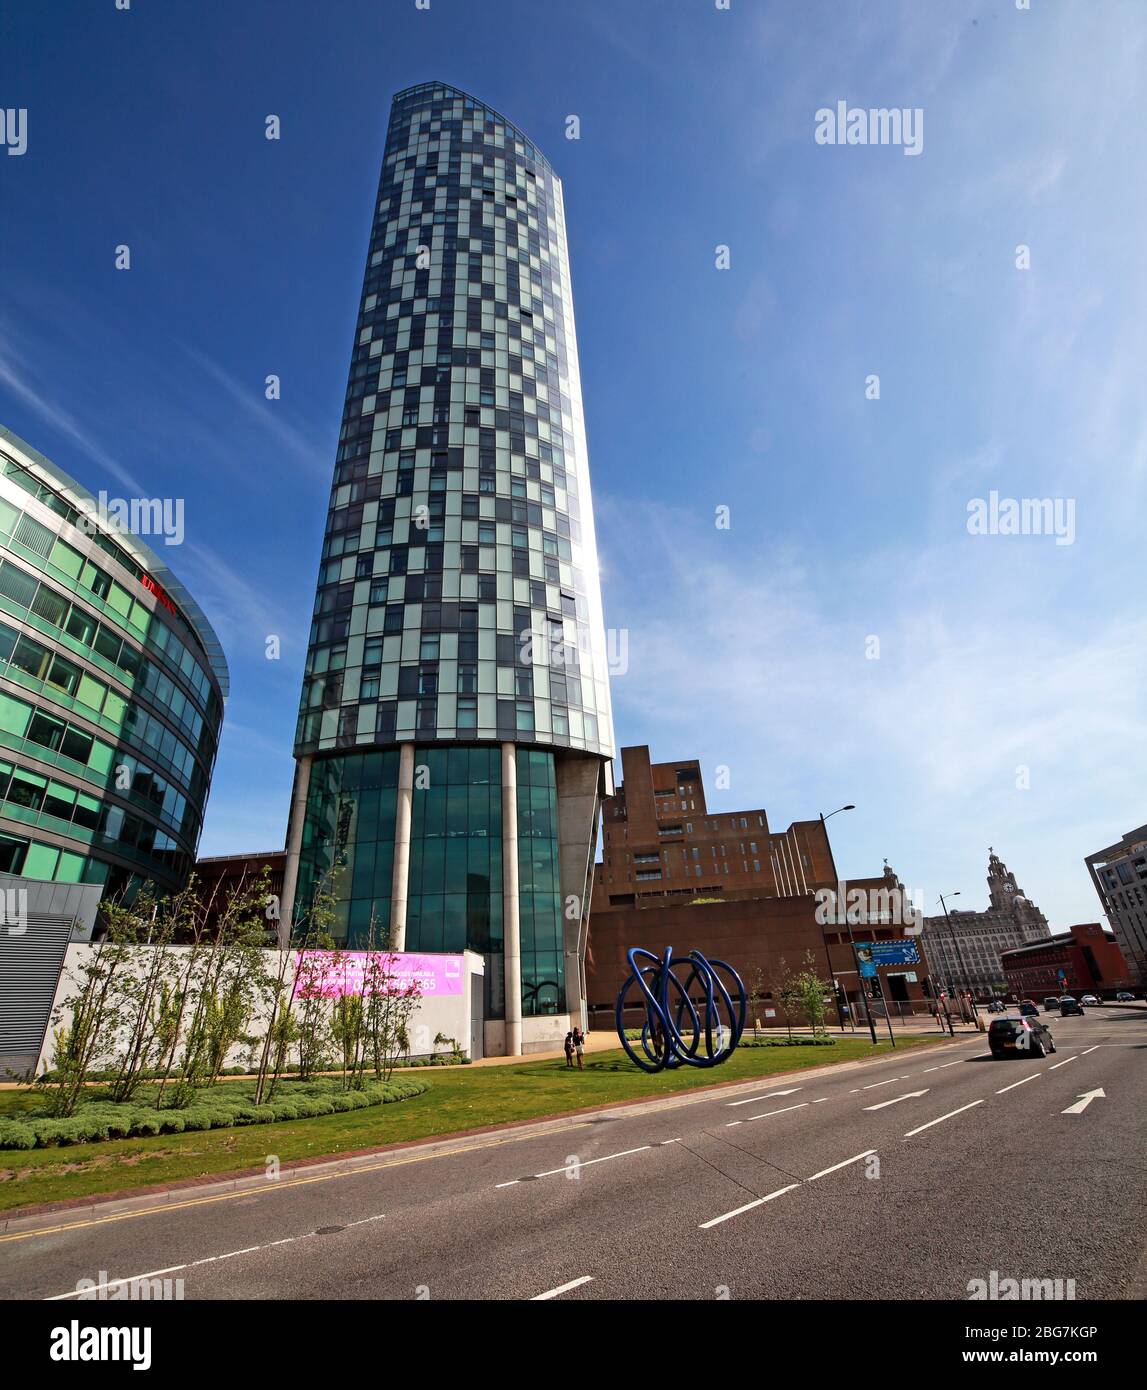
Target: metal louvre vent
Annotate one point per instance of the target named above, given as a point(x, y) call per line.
point(30, 965)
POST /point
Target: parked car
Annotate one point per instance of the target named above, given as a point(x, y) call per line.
point(1051, 1003)
point(1089, 1001)
point(1124, 998)
point(1068, 1005)
point(1029, 1009)
point(1018, 1037)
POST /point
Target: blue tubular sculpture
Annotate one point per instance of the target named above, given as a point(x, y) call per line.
point(663, 1041)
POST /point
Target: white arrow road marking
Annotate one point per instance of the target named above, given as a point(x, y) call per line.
point(1084, 1101)
point(769, 1096)
point(908, 1095)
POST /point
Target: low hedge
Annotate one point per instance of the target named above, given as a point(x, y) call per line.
point(437, 1059)
point(98, 1120)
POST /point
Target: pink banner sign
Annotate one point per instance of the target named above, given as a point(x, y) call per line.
point(332, 974)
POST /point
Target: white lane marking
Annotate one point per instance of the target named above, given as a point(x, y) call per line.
point(822, 1100)
point(908, 1095)
point(670, 1141)
point(769, 1096)
point(1021, 1082)
point(587, 1163)
point(562, 1288)
point(716, 1221)
point(854, 1090)
point(196, 1264)
point(939, 1118)
point(824, 1172)
point(956, 1063)
point(514, 1183)
point(767, 1113)
point(1063, 1063)
point(872, 1085)
point(1086, 1050)
point(931, 1068)
point(1084, 1101)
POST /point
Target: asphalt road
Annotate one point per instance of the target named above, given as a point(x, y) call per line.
point(901, 1178)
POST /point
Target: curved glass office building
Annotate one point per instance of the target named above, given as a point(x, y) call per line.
point(454, 732)
point(111, 692)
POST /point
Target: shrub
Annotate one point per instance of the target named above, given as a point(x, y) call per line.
point(14, 1135)
point(196, 1118)
point(100, 1119)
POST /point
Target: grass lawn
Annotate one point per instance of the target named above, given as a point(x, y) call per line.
point(458, 1099)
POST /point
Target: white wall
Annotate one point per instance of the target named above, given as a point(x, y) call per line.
point(448, 1014)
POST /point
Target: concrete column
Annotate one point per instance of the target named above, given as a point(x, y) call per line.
point(511, 923)
point(400, 876)
point(294, 847)
point(579, 780)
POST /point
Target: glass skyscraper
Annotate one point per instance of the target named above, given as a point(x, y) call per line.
point(112, 685)
point(454, 731)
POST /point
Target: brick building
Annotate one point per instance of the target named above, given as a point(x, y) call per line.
point(661, 842)
point(218, 876)
point(674, 873)
point(1089, 958)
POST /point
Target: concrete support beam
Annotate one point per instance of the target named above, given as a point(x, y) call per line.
point(294, 846)
point(579, 781)
point(400, 875)
point(511, 923)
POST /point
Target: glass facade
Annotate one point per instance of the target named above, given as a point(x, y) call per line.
point(110, 711)
point(458, 606)
point(455, 877)
point(349, 826)
point(458, 594)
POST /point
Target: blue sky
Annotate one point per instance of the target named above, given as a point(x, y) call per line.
point(742, 388)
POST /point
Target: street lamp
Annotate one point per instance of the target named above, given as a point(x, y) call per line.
point(827, 955)
point(965, 978)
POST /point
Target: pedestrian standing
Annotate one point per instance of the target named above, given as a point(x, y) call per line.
point(579, 1046)
point(569, 1046)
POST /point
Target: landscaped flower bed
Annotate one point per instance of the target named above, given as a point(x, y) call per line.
point(222, 1107)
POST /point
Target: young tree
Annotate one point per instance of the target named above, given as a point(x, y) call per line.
point(809, 993)
point(757, 992)
point(787, 994)
point(388, 1004)
point(225, 980)
point(316, 951)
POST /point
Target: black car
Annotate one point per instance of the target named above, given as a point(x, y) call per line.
point(1069, 1005)
point(1020, 1037)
